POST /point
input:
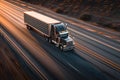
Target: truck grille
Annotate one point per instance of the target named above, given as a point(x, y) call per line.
point(70, 43)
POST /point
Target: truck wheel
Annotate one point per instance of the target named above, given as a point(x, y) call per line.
point(61, 48)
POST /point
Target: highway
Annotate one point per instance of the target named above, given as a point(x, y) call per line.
point(96, 57)
point(15, 63)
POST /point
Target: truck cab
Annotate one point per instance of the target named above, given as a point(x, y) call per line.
point(60, 36)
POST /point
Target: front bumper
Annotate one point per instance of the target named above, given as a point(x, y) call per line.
point(67, 48)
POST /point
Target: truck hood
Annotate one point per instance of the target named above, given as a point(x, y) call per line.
point(68, 39)
point(63, 34)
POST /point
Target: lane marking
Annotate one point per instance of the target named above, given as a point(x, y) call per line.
point(94, 39)
point(23, 55)
point(99, 57)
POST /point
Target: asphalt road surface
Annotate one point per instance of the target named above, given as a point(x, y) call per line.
point(96, 57)
point(11, 65)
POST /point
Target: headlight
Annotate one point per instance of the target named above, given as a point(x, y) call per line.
point(73, 43)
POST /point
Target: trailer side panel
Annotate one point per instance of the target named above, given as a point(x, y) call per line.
point(37, 24)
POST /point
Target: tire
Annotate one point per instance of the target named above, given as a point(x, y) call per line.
point(61, 48)
point(28, 27)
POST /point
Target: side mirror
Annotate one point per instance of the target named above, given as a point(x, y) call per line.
point(65, 24)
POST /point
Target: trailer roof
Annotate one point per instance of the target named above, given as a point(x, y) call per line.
point(42, 17)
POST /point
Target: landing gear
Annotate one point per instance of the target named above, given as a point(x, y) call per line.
point(49, 40)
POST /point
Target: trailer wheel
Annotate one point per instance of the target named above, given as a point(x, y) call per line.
point(28, 27)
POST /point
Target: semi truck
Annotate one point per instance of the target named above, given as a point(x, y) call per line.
point(53, 30)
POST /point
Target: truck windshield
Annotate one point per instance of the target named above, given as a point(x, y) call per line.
point(60, 27)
